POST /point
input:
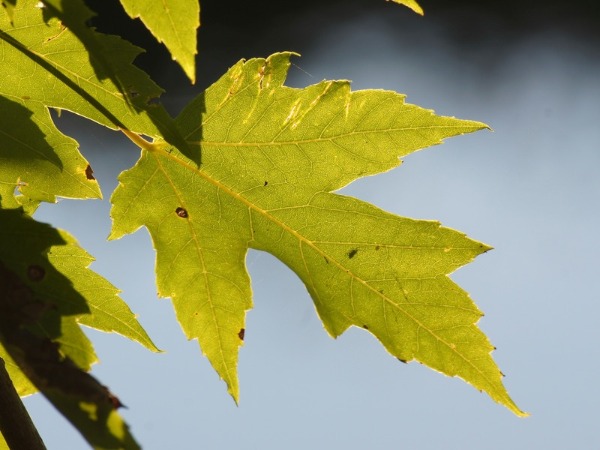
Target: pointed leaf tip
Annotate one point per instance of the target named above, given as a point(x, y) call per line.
point(412, 4)
point(174, 23)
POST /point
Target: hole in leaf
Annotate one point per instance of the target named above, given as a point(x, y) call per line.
point(182, 212)
point(89, 173)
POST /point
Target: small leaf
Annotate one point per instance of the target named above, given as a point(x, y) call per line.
point(271, 155)
point(173, 22)
point(412, 4)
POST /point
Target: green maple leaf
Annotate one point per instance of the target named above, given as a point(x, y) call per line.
point(271, 156)
point(46, 293)
point(55, 268)
point(173, 22)
point(72, 67)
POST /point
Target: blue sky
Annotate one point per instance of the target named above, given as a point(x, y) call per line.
point(530, 188)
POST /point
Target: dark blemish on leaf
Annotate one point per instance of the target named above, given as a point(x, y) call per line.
point(352, 253)
point(381, 291)
point(26, 97)
point(366, 327)
point(403, 360)
point(114, 400)
point(326, 260)
point(242, 333)
point(36, 273)
point(266, 182)
point(89, 173)
point(377, 247)
point(181, 212)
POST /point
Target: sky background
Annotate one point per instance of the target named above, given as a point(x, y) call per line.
point(530, 189)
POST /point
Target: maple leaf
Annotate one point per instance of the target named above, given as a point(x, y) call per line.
point(271, 156)
point(46, 292)
point(55, 269)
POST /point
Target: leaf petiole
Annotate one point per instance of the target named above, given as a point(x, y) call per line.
point(140, 141)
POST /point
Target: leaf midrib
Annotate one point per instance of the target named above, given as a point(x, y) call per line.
point(221, 144)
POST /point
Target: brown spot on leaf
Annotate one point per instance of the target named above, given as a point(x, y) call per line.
point(89, 173)
point(377, 247)
point(182, 212)
point(366, 327)
point(242, 333)
point(403, 360)
point(36, 273)
point(352, 253)
point(326, 260)
point(114, 400)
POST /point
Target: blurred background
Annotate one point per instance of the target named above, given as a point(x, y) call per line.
point(530, 188)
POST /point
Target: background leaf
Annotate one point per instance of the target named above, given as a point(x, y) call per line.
point(270, 157)
point(173, 22)
point(40, 336)
point(55, 269)
point(410, 4)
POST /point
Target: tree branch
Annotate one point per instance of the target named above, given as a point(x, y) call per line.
point(15, 424)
